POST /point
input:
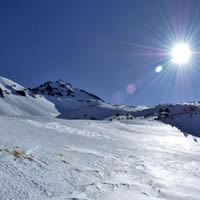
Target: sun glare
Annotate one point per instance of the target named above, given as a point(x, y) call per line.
point(181, 54)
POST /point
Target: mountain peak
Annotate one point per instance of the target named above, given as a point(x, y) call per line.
point(57, 88)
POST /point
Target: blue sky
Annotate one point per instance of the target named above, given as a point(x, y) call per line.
point(110, 47)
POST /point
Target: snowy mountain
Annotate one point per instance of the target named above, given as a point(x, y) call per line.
point(57, 99)
point(185, 116)
point(44, 157)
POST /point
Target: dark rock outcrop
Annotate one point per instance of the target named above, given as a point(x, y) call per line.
point(1, 93)
point(20, 92)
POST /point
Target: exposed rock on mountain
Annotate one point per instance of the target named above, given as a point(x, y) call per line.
point(1, 93)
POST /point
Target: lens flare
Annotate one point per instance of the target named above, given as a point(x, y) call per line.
point(131, 88)
point(181, 54)
point(159, 69)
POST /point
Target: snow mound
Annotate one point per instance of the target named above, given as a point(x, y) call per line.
point(17, 100)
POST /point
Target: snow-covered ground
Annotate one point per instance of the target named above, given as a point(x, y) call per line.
point(49, 158)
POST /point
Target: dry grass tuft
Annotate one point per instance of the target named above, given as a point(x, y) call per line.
point(19, 153)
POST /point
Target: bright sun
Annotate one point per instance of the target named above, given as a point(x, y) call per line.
point(181, 53)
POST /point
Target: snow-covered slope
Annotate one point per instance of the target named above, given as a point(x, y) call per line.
point(185, 116)
point(49, 158)
point(19, 101)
